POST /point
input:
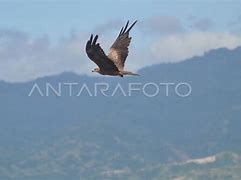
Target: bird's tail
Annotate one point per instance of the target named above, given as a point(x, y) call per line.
point(129, 73)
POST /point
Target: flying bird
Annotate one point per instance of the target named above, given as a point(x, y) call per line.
point(113, 63)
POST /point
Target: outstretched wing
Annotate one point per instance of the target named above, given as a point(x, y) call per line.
point(97, 55)
point(119, 50)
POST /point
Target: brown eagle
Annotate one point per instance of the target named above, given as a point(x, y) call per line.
point(113, 64)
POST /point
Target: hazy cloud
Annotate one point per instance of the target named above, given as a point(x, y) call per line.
point(235, 25)
point(236, 21)
point(202, 24)
point(174, 48)
point(24, 58)
point(162, 25)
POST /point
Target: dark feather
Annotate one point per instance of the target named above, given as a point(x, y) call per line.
point(97, 55)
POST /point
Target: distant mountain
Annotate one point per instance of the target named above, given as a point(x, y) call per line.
point(46, 136)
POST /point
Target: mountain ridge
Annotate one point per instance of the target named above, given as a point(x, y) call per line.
point(71, 136)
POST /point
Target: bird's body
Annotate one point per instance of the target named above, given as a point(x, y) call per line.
point(108, 72)
point(113, 64)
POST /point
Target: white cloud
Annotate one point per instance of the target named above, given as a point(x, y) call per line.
point(23, 58)
point(175, 48)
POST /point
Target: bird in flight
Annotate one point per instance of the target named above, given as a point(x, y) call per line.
point(113, 63)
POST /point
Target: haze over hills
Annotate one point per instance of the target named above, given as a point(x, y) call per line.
point(98, 137)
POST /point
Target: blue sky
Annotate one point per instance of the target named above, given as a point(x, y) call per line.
point(42, 37)
point(58, 18)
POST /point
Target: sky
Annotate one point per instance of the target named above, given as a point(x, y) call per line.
point(47, 37)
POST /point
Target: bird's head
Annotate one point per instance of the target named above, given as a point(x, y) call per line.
point(96, 70)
